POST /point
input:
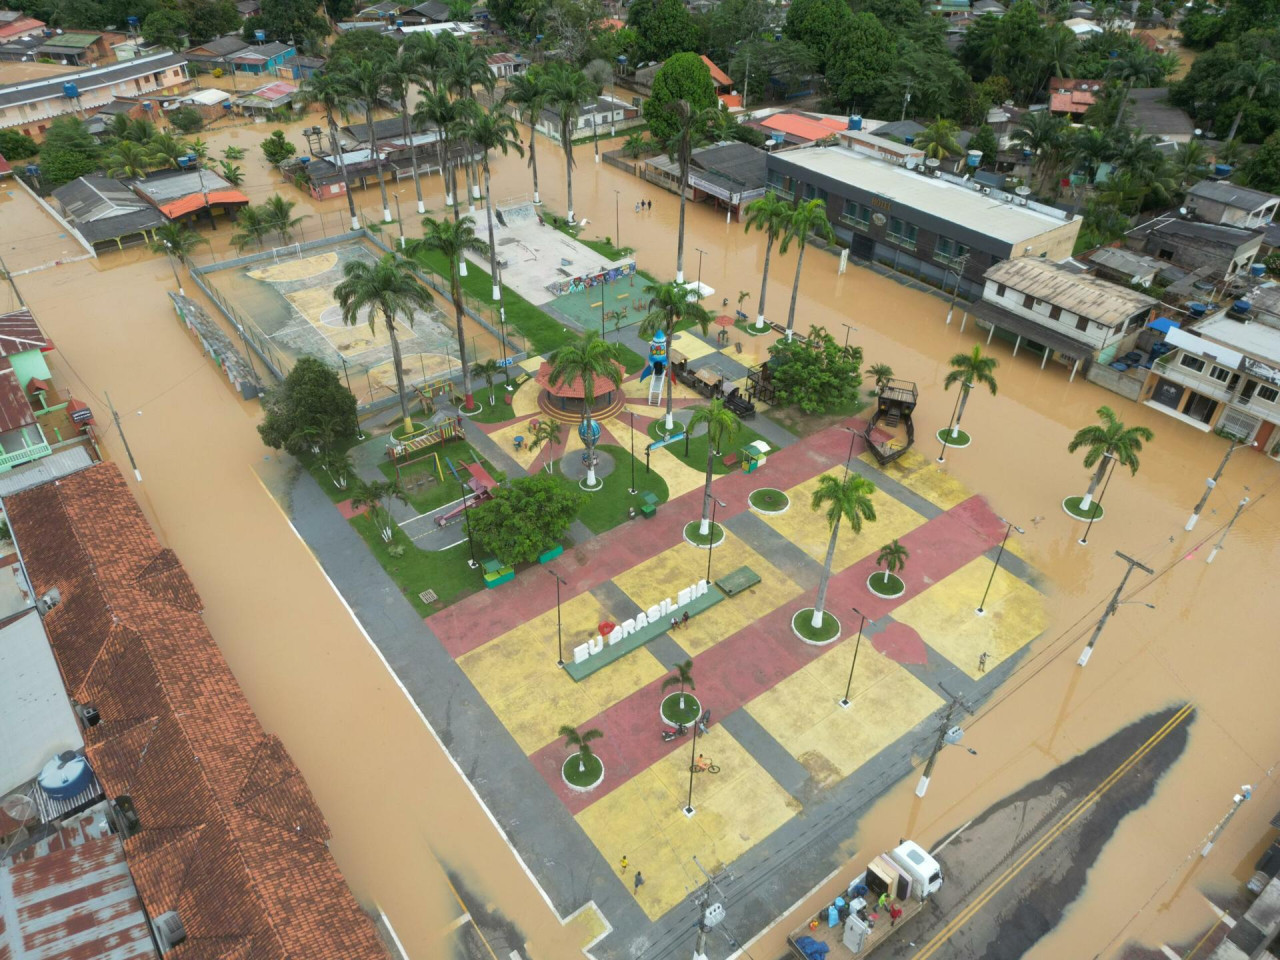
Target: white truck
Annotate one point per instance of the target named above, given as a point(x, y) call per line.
point(889, 892)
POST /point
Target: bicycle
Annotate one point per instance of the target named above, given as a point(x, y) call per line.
point(708, 768)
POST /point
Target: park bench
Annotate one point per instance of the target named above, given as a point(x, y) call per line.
point(744, 578)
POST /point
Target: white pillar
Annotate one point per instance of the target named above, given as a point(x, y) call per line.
point(1044, 359)
point(1017, 342)
point(991, 334)
point(1074, 367)
point(964, 318)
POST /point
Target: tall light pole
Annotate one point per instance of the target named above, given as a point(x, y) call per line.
point(115, 416)
point(1245, 793)
point(700, 253)
point(958, 265)
point(559, 633)
point(1010, 526)
point(1113, 605)
point(693, 762)
point(632, 490)
point(857, 645)
point(168, 255)
point(1213, 481)
point(617, 218)
point(399, 220)
point(847, 330)
point(711, 544)
point(1218, 546)
point(853, 438)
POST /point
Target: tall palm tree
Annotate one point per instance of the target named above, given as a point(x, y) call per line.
point(969, 370)
point(375, 495)
point(683, 677)
point(546, 432)
point(589, 358)
point(669, 303)
point(568, 89)
point(440, 110)
point(722, 426)
point(453, 239)
point(487, 369)
point(364, 88)
point(1131, 67)
point(1045, 136)
point(177, 242)
point(403, 71)
point(464, 68)
point(389, 288)
point(580, 741)
point(691, 131)
point(810, 217)
point(1091, 147)
point(130, 160)
point(166, 149)
point(1112, 439)
point(326, 90)
point(938, 139)
point(771, 214)
point(493, 130)
point(528, 93)
point(252, 227)
point(1251, 78)
point(846, 499)
point(279, 213)
point(1190, 163)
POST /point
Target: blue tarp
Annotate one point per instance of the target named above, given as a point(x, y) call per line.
point(811, 948)
point(1164, 324)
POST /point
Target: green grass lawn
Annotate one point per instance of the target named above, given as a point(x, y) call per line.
point(606, 508)
point(803, 623)
point(697, 456)
point(767, 498)
point(714, 536)
point(311, 463)
point(498, 412)
point(445, 571)
point(585, 773)
point(671, 708)
point(427, 495)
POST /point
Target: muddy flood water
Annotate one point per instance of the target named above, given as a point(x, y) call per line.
point(399, 808)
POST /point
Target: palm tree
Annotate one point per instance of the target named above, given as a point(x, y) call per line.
point(178, 242)
point(846, 499)
point(166, 149)
point(279, 213)
point(1129, 68)
point(1091, 147)
point(130, 160)
point(375, 494)
point(488, 369)
point(252, 226)
point(390, 288)
point(1191, 162)
point(337, 464)
point(528, 93)
point(1045, 136)
point(140, 131)
point(691, 132)
point(464, 69)
point(893, 557)
point(453, 239)
point(199, 148)
point(938, 139)
point(634, 145)
point(405, 69)
point(588, 358)
point(230, 173)
point(580, 742)
point(328, 90)
point(969, 370)
point(669, 303)
point(722, 426)
point(1251, 78)
point(568, 88)
point(364, 87)
point(683, 677)
point(493, 130)
point(1111, 439)
point(443, 112)
point(546, 432)
point(771, 214)
point(810, 217)
point(883, 373)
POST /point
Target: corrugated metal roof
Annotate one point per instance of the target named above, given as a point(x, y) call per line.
point(1225, 192)
point(15, 408)
point(1084, 295)
point(53, 467)
point(32, 700)
point(19, 333)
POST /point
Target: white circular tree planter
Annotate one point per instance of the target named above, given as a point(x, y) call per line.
point(895, 586)
point(688, 696)
point(808, 612)
point(573, 786)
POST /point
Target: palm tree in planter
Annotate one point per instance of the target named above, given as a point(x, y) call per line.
point(683, 677)
point(453, 239)
point(882, 373)
point(669, 303)
point(1113, 439)
point(969, 370)
point(178, 242)
point(810, 217)
point(845, 499)
point(488, 369)
point(589, 358)
point(722, 426)
point(691, 132)
point(771, 214)
point(376, 496)
point(390, 288)
point(546, 432)
point(528, 93)
point(581, 742)
point(893, 557)
point(568, 88)
point(337, 464)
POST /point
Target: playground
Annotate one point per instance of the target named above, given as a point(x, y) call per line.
point(285, 297)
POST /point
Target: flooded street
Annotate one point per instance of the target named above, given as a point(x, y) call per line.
point(393, 799)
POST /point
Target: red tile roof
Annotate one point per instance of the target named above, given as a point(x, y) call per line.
point(231, 837)
point(1071, 95)
point(718, 76)
point(802, 127)
point(5, 168)
point(20, 26)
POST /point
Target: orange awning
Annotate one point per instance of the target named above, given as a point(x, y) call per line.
point(196, 201)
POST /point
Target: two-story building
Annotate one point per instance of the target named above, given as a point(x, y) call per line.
point(1220, 201)
point(889, 206)
point(26, 393)
point(1056, 312)
point(1213, 251)
point(594, 116)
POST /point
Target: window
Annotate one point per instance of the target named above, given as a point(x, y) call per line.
point(810, 192)
point(856, 215)
point(780, 185)
point(1082, 324)
point(902, 233)
point(1269, 394)
point(1028, 301)
point(948, 250)
point(1055, 313)
point(1220, 373)
point(999, 289)
point(1191, 362)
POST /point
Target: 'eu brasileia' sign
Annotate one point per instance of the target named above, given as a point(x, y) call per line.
point(655, 614)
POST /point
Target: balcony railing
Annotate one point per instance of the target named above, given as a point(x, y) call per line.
point(852, 221)
point(907, 243)
point(1201, 384)
point(33, 452)
point(780, 191)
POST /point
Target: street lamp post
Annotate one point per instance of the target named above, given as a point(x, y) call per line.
point(946, 434)
point(632, 491)
point(693, 762)
point(857, 645)
point(847, 330)
point(1010, 526)
point(711, 545)
point(1218, 546)
point(1113, 605)
point(559, 633)
point(466, 519)
point(617, 218)
point(346, 373)
point(399, 220)
point(958, 265)
point(1213, 481)
point(700, 253)
point(1245, 793)
point(853, 438)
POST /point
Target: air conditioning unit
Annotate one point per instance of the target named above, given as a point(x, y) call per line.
point(127, 816)
point(169, 930)
point(88, 714)
point(986, 190)
point(48, 601)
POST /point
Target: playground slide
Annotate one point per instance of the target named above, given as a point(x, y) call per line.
point(889, 452)
point(481, 483)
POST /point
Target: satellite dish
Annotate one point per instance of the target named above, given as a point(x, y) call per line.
point(1183, 211)
point(1022, 191)
point(932, 163)
point(19, 807)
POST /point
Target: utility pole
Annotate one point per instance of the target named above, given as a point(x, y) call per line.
point(115, 416)
point(13, 283)
point(1111, 607)
point(1245, 793)
point(1234, 517)
point(710, 913)
point(1213, 481)
point(946, 734)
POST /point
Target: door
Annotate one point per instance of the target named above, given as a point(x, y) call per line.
point(1167, 393)
point(1199, 407)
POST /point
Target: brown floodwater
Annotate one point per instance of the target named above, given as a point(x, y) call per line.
point(315, 680)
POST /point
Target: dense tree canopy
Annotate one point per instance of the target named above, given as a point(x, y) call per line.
point(861, 62)
point(682, 77)
point(524, 518)
point(662, 27)
point(817, 24)
point(816, 374)
point(69, 151)
point(311, 407)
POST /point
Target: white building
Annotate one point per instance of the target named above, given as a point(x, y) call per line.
point(593, 116)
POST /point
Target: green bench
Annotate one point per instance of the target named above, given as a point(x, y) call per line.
point(649, 505)
point(744, 578)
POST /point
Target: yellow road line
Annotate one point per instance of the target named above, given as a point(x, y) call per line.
point(1021, 863)
point(479, 932)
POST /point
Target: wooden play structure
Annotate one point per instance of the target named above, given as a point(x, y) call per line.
point(480, 486)
point(894, 405)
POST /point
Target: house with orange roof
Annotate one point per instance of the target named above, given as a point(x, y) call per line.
point(1072, 96)
point(792, 128)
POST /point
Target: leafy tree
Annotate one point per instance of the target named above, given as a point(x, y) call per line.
point(970, 370)
point(771, 215)
point(388, 288)
point(860, 61)
point(277, 149)
point(1111, 439)
point(662, 27)
point(164, 28)
point(731, 22)
point(207, 19)
point(722, 426)
point(528, 93)
point(487, 369)
point(1102, 224)
point(568, 89)
point(291, 21)
point(784, 61)
point(816, 374)
point(187, 119)
point(547, 433)
point(809, 218)
point(230, 173)
point(588, 360)
point(580, 742)
point(129, 160)
point(684, 77)
point(524, 518)
point(311, 397)
point(847, 499)
point(69, 152)
point(817, 23)
point(1135, 67)
point(17, 146)
point(355, 45)
point(985, 140)
point(635, 144)
point(1252, 78)
point(670, 303)
point(1262, 170)
point(1046, 137)
point(377, 495)
point(683, 677)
